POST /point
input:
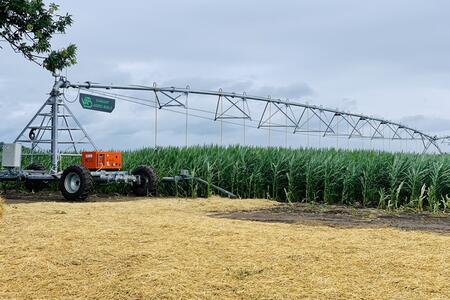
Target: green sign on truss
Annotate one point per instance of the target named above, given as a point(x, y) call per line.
point(97, 103)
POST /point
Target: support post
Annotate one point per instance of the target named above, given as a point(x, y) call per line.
point(55, 102)
point(54, 134)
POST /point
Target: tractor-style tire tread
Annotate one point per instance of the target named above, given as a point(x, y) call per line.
point(86, 183)
point(149, 181)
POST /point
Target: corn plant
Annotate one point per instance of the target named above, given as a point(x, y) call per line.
point(371, 178)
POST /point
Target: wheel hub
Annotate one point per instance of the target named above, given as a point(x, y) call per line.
point(72, 182)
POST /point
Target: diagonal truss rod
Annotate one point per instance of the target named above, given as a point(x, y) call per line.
point(301, 117)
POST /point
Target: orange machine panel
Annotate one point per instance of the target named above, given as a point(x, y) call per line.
point(101, 160)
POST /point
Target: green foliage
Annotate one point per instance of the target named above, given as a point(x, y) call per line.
point(368, 178)
point(28, 26)
point(57, 60)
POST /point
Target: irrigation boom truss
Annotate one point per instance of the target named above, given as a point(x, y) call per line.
point(55, 124)
point(297, 116)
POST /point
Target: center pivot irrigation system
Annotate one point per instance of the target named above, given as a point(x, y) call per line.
point(55, 125)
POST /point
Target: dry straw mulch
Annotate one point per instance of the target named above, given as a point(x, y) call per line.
point(172, 249)
point(2, 209)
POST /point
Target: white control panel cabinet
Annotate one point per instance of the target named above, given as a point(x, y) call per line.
point(12, 155)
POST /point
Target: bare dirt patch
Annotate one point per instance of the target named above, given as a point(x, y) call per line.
point(16, 197)
point(344, 217)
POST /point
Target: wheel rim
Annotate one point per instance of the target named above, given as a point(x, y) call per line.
point(143, 180)
point(72, 182)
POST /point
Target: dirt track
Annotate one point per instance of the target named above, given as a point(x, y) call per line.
point(343, 217)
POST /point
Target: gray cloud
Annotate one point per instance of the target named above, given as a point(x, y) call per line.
point(294, 90)
point(428, 124)
point(348, 104)
point(380, 58)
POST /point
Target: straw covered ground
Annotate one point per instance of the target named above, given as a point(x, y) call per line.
point(1, 207)
point(174, 249)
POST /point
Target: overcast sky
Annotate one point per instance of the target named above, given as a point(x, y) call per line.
point(382, 58)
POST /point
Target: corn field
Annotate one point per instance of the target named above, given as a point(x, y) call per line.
point(360, 178)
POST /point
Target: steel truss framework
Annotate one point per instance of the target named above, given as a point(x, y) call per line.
point(277, 113)
point(54, 124)
point(444, 140)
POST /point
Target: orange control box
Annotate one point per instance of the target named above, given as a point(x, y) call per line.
point(100, 160)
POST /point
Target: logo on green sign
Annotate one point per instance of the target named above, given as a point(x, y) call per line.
point(86, 102)
point(97, 103)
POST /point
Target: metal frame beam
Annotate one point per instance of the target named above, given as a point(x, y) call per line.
point(364, 125)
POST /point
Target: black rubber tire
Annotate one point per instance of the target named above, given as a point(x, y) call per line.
point(85, 183)
point(35, 185)
point(149, 181)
